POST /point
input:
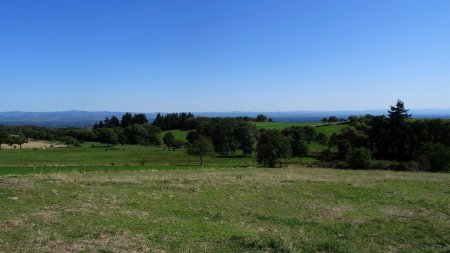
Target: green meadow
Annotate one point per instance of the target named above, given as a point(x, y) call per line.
point(327, 129)
point(135, 198)
point(178, 134)
point(226, 210)
point(96, 157)
point(282, 125)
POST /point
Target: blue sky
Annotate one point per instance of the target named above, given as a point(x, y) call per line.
point(190, 55)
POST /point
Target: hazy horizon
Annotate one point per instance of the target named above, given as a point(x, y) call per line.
point(223, 56)
point(235, 111)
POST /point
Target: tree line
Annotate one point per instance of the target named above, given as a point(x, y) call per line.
point(409, 144)
point(394, 141)
point(131, 129)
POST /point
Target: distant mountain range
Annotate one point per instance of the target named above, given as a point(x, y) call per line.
point(87, 119)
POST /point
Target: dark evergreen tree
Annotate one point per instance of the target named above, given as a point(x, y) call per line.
point(183, 121)
point(159, 122)
point(139, 119)
point(398, 113)
point(106, 123)
point(114, 122)
point(127, 120)
point(398, 132)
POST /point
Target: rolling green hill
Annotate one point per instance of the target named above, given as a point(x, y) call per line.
point(328, 130)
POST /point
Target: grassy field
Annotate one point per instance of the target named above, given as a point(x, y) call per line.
point(95, 157)
point(148, 199)
point(282, 125)
point(328, 130)
point(314, 147)
point(178, 134)
point(227, 210)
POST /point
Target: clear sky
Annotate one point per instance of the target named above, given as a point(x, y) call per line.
point(211, 55)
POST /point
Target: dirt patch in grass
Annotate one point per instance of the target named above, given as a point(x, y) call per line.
point(124, 242)
point(17, 183)
point(332, 212)
point(12, 224)
point(397, 212)
point(136, 214)
point(48, 216)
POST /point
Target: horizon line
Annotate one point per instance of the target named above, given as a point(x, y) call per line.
point(232, 111)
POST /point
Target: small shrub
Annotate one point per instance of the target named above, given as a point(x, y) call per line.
point(300, 148)
point(177, 144)
point(359, 158)
point(326, 154)
point(343, 148)
point(384, 165)
point(394, 165)
point(435, 158)
point(325, 164)
point(341, 165)
point(408, 166)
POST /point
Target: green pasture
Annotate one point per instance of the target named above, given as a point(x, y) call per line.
point(326, 129)
point(178, 134)
point(226, 210)
point(96, 157)
point(282, 125)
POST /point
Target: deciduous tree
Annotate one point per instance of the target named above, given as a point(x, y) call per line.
point(272, 148)
point(4, 137)
point(201, 147)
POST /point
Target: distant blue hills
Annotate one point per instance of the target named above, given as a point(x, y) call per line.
point(86, 118)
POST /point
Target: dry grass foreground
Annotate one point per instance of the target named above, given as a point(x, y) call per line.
point(232, 210)
point(35, 144)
